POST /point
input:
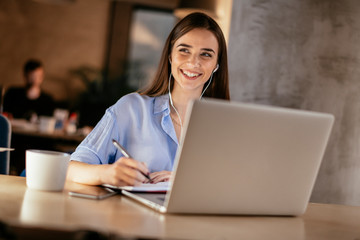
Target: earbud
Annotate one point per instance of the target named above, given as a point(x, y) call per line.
point(169, 60)
point(217, 67)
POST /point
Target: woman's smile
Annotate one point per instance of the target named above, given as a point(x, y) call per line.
point(193, 59)
point(189, 74)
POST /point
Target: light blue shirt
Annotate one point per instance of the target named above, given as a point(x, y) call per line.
point(142, 125)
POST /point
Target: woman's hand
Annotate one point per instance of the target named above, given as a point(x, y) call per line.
point(124, 172)
point(163, 176)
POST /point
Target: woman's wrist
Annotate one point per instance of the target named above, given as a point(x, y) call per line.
point(101, 173)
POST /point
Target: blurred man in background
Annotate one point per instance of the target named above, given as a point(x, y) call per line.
point(29, 101)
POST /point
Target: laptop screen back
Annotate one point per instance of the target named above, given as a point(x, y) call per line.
point(247, 159)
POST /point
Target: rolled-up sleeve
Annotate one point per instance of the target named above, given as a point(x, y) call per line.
point(97, 147)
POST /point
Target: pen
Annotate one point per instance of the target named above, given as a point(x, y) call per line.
point(126, 154)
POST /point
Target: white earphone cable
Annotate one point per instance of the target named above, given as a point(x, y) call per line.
point(172, 104)
point(207, 85)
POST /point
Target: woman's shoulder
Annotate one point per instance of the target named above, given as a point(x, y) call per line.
point(138, 101)
point(134, 98)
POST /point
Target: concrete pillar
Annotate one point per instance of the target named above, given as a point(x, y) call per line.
point(305, 55)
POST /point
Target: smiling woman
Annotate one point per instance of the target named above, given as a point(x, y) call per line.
point(193, 63)
point(193, 60)
point(196, 21)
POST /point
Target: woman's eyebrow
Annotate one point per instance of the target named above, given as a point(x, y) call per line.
point(183, 45)
point(188, 46)
point(208, 50)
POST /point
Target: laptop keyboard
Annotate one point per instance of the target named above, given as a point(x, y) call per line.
point(161, 198)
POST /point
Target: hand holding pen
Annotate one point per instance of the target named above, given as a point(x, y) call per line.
point(127, 155)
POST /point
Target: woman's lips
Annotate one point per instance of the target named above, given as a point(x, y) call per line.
point(190, 75)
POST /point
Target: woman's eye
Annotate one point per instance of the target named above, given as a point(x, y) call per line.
point(184, 50)
point(206, 54)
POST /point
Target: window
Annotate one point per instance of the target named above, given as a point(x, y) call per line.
point(148, 32)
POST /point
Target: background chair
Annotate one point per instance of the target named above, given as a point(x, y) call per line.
point(5, 136)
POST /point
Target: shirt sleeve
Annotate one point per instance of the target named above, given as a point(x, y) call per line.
point(139, 123)
point(97, 147)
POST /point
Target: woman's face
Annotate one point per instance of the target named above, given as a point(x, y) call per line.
point(193, 59)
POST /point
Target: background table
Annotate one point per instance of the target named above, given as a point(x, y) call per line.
point(119, 215)
point(23, 138)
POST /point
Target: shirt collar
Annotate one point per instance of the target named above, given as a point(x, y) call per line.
point(161, 103)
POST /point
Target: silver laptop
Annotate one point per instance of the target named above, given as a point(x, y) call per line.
point(244, 159)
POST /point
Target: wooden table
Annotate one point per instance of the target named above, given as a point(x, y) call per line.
point(119, 215)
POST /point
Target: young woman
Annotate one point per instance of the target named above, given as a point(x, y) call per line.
point(149, 124)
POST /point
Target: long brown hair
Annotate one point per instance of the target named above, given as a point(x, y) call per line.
point(219, 87)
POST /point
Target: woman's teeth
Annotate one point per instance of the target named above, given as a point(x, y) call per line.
point(189, 74)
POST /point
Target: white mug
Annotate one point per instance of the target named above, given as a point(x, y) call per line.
point(46, 170)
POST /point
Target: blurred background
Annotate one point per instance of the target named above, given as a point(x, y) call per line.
point(93, 51)
point(289, 53)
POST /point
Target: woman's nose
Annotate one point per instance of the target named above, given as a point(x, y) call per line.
point(194, 60)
